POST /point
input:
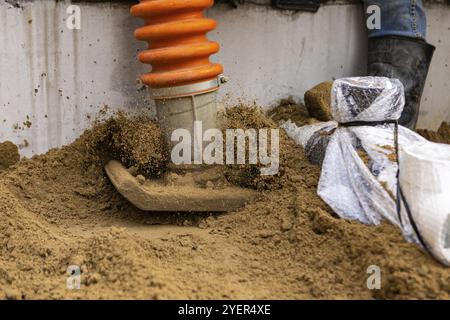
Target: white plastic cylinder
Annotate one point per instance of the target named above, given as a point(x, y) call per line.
point(425, 181)
point(179, 107)
point(182, 112)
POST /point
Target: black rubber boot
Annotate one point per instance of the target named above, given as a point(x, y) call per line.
point(406, 59)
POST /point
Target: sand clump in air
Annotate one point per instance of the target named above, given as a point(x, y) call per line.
point(135, 141)
point(59, 209)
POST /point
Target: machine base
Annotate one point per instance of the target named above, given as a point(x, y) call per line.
point(157, 195)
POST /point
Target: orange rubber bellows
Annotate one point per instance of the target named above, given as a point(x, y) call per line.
point(179, 50)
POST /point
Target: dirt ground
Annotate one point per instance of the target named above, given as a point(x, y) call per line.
point(59, 209)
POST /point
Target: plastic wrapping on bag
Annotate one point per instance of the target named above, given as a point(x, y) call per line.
point(359, 161)
point(313, 138)
point(367, 99)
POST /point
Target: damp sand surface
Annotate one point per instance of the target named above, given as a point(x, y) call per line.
point(59, 209)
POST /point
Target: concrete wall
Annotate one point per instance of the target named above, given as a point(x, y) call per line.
point(53, 80)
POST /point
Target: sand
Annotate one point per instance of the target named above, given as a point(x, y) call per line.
point(9, 155)
point(59, 209)
point(318, 101)
point(442, 135)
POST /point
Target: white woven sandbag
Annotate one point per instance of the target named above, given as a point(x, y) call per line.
point(425, 182)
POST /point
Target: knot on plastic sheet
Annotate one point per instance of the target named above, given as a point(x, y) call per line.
point(355, 102)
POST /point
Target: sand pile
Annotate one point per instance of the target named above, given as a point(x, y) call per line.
point(288, 109)
point(442, 135)
point(9, 155)
point(59, 209)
